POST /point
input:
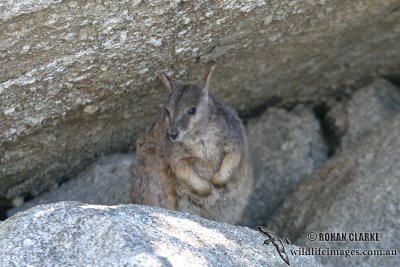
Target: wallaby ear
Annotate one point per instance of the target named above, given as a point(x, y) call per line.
point(205, 80)
point(165, 80)
point(168, 81)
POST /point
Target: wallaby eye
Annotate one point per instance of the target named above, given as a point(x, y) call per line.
point(192, 111)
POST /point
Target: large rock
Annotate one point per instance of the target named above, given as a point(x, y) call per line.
point(77, 77)
point(357, 191)
point(285, 147)
point(76, 234)
point(107, 182)
point(366, 108)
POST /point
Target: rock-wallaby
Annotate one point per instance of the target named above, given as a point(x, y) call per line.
point(194, 156)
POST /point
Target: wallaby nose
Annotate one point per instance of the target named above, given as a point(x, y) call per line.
point(174, 134)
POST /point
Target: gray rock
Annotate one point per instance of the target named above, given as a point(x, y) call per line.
point(76, 77)
point(367, 107)
point(107, 182)
point(285, 147)
point(76, 234)
point(356, 191)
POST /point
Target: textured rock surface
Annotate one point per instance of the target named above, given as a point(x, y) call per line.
point(367, 107)
point(76, 77)
point(285, 147)
point(358, 191)
point(76, 234)
point(107, 182)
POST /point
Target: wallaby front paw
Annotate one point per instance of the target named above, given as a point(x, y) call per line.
point(201, 188)
point(219, 179)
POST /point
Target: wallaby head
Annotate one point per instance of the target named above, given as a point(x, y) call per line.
point(187, 109)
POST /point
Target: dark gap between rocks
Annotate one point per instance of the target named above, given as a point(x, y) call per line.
point(4, 206)
point(259, 110)
point(327, 128)
point(394, 78)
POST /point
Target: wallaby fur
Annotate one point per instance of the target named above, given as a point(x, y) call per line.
point(194, 156)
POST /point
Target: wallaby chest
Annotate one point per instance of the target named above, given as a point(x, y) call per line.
point(206, 146)
point(206, 152)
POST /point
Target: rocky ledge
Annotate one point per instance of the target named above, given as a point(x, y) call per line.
point(76, 234)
